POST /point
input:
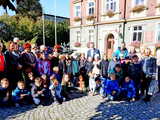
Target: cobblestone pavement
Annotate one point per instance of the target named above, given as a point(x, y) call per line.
point(87, 108)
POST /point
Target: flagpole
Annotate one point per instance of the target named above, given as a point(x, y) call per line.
point(55, 23)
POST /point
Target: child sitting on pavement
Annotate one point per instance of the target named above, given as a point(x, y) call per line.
point(4, 93)
point(21, 95)
point(39, 93)
point(56, 90)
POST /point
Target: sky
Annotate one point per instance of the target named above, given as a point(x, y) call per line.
point(62, 7)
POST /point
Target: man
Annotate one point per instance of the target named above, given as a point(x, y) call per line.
point(122, 52)
point(149, 69)
point(92, 51)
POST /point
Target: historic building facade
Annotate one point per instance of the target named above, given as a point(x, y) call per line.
point(107, 23)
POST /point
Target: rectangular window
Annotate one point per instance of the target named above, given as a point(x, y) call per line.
point(77, 11)
point(137, 33)
point(91, 36)
point(78, 35)
point(110, 5)
point(158, 33)
point(139, 2)
point(91, 8)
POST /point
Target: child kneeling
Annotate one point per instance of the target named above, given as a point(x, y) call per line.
point(128, 90)
point(111, 88)
point(21, 95)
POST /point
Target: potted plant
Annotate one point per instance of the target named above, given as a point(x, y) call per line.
point(136, 44)
point(77, 19)
point(77, 44)
point(110, 13)
point(90, 17)
point(139, 8)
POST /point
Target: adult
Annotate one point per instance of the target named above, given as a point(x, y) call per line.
point(158, 65)
point(2, 63)
point(28, 59)
point(122, 51)
point(13, 65)
point(149, 69)
point(93, 51)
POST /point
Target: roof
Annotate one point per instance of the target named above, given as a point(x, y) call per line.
point(56, 16)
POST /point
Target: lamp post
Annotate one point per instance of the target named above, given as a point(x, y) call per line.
point(55, 23)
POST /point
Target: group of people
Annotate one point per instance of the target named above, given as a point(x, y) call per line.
point(35, 74)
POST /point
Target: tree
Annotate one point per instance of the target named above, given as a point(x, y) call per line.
point(30, 8)
point(9, 4)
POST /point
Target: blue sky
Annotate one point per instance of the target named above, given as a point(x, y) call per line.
point(48, 5)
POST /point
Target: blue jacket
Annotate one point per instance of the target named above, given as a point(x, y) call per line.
point(120, 52)
point(17, 92)
point(129, 88)
point(95, 51)
point(149, 65)
point(56, 89)
point(111, 85)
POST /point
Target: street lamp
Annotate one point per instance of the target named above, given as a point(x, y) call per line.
point(55, 23)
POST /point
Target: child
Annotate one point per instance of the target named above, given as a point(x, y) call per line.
point(89, 65)
point(66, 86)
point(119, 73)
point(128, 89)
point(45, 81)
point(39, 93)
point(112, 88)
point(21, 95)
point(81, 83)
point(57, 74)
point(92, 83)
point(4, 92)
point(44, 65)
point(135, 72)
point(104, 66)
point(30, 80)
point(56, 89)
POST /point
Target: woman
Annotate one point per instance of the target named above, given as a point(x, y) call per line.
point(2, 63)
point(13, 65)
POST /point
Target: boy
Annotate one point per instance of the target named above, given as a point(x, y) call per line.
point(4, 92)
point(56, 89)
point(104, 66)
point(21, 95)
point(39, 93)
point(135, 72)
point(112, 88)
point(128, 90)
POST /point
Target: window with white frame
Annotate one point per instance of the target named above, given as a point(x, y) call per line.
point(91, 8)
point(78, 36)
point(110, 5)
point(77, 11)
point(158, 33)
point(139, 2)
point(91, 35)
point(137, 33)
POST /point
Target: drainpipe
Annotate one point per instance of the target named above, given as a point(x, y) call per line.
point(97, 20)
point(124, 18)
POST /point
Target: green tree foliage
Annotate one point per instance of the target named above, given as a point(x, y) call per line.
point(30, 8)
point(29, 30)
